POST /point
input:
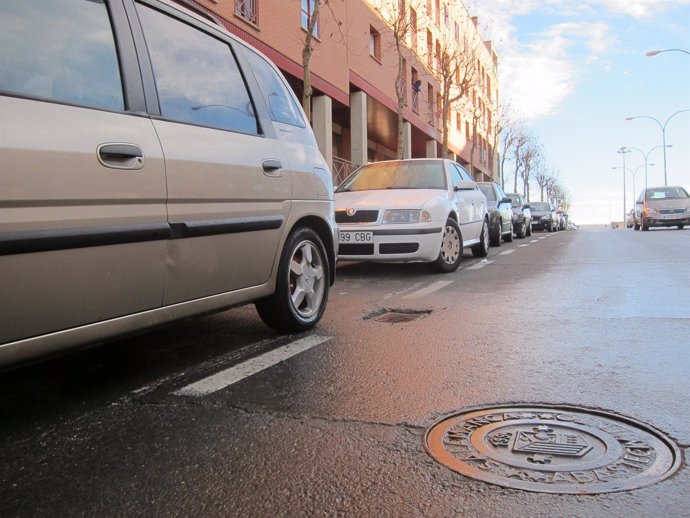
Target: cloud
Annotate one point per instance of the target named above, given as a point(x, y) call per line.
point(539, 68)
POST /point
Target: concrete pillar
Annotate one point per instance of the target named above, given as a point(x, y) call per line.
point(322, 122)
point(431, 149)
point(407, 140)
point(358, 127)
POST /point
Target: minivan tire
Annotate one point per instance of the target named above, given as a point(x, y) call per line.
point(302, 284)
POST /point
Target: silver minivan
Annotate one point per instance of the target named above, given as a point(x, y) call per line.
point(152, 167)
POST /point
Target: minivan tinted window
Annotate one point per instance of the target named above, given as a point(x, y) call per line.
point(61, 50)
point(197, 77)
point(281, 103)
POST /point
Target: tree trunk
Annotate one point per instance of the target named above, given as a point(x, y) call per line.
point(307, 51)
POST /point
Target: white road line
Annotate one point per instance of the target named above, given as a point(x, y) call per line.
point(429, 289)
point(479, 265)
point(535, 240)
point(507, 252)
point(522, 246)
point(252, 366)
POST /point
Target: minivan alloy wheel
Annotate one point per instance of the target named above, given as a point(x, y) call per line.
point(302, 284)
point(306, 279)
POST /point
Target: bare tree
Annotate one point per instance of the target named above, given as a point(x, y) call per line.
point(457, 75)
point(559, 196)
point(531, 158)
point(545, 176)
point(507, 129)
point(520, 142)
point(307, 52)
point(394, 15)
point(309, 47)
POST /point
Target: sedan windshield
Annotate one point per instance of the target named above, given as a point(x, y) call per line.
point(414, 174)
point(662, 193)
point(488, 191)
point(538, 205)
point(515, 200)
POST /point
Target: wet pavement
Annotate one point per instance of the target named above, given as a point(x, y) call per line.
point(593, 320)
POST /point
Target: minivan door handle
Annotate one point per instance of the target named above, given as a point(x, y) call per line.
point(272, 167)
point(121, 156)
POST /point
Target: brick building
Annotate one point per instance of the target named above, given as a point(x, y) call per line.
point(354, 68)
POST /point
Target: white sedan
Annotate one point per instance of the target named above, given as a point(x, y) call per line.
point(425, 210)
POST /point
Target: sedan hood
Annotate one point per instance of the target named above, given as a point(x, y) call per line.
point(390, 198)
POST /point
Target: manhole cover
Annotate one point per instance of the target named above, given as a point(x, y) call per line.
point(395, 316)
point(553, 449)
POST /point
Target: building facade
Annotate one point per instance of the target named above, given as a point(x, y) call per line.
point(355, 66)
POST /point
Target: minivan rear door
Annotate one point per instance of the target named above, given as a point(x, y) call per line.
point(229, 189)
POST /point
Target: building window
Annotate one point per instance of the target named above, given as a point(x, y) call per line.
point(446, 17)
point(430, 104)
point(413, 29)
point(416, 88)
point(374, 43)
point(457, 32)
point(307, 10)
point(467, 130)
point(437, 13)
point(458, 121)
point(246, 9)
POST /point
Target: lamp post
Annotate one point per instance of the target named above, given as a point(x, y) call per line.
point(634, 173)
point(646, 156)
point(623, 151)
point(653, 53)
point(663, 133)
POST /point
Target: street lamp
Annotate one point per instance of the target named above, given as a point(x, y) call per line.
point(633, 173)
point(653, 53)
point(623, 151)
point(646, 156)
point(663, 133)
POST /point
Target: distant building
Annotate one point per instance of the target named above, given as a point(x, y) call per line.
point(354, 68)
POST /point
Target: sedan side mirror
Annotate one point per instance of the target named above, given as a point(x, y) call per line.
point(506, 200)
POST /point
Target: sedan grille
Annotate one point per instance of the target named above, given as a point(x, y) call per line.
point(672, 211)
point(359, 216)
point(356, 249)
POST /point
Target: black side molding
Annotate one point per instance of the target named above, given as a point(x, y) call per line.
point(12, 243)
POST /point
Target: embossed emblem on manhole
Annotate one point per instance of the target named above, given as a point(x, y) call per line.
point(553, 449)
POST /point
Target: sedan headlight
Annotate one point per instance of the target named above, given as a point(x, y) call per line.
point(402, 216)
point(546, 216)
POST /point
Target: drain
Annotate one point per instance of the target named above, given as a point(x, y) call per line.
point(396, 316)
point(553, 449)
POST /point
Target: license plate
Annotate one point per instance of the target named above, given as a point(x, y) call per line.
point(356, 237)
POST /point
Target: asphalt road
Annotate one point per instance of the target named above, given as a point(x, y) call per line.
point(162, 424)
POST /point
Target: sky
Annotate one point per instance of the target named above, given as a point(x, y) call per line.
point(575, 70)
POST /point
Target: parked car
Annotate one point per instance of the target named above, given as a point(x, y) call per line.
point(544, 216)
point(500, 213)
point(522, 215)
point(411, 210)
point(630, 219)
point(153, 167)
point(662, 207)
point(562, 220)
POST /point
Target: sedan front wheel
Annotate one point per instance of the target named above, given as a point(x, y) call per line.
point(451, 249)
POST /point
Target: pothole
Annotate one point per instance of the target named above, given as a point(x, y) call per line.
point(395, 316)
point(553, 449)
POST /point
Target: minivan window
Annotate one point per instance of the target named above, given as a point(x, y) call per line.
point(62, 50)
point(197, 77)
point(281, 103)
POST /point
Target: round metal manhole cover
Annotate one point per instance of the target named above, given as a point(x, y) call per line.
point(553, 449)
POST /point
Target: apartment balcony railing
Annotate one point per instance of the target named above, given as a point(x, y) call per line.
point(246, 9)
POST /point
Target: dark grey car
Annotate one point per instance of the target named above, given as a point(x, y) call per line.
point(544, 216)
point(522, 215)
